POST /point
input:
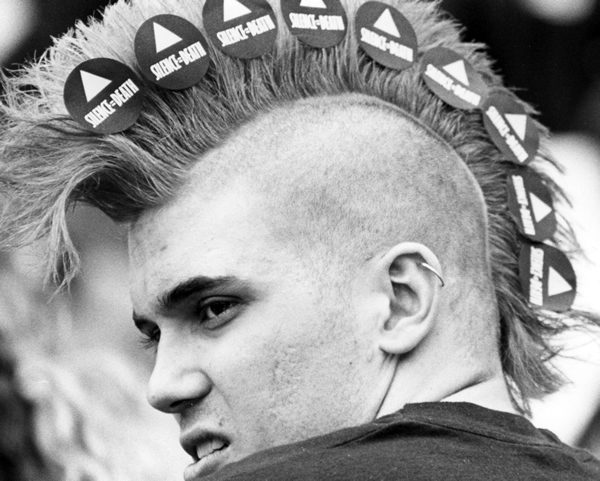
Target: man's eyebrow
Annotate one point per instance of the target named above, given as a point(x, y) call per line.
point(194, 286)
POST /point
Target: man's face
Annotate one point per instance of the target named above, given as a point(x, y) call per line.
point(252, 349)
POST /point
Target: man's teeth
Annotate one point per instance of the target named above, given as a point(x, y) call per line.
point(209, 447)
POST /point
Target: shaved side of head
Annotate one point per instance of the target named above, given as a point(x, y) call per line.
point(368, 177)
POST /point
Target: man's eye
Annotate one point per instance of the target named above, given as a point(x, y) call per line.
point(215, 312)
point(149, 340)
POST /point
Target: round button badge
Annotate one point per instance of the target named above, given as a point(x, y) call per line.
point(104, 95)
point(171, 52)
point(386, 35)
point(240, 28)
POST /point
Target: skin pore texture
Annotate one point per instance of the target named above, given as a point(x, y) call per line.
point(283, 288)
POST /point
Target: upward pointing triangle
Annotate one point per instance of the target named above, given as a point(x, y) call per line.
point(519, 123)
point(164, 38)
point(539, 207)
point(386, 24)
point(234, 9)
point(458, 71)
point(93, 84)
point(313, 4)
point(557, 283)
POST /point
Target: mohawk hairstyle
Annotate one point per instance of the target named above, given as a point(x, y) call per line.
point(49, 163)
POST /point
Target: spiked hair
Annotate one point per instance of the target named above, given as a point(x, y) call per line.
point(49, 163)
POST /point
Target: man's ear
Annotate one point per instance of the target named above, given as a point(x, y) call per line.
point(409, 275)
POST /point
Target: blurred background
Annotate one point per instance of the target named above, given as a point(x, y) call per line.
point(81, 373)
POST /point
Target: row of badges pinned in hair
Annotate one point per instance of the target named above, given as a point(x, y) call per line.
point(546, 274)
point(106, 96)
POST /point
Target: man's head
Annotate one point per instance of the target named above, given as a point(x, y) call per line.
point(305, 189)
point(283, 286)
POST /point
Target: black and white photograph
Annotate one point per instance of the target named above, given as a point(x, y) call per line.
point(299, 240)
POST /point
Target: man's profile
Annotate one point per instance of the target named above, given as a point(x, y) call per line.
point(321, 254)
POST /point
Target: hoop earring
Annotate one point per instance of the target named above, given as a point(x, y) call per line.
point(436, 273)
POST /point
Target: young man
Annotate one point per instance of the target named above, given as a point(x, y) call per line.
point(321, 255)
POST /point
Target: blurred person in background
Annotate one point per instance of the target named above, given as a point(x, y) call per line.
point(91, 420)
point(20, 456)
point(70, 410)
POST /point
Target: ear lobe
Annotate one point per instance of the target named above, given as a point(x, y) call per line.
point(413, 294)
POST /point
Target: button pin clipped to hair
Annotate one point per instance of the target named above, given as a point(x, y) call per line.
point(435, 272)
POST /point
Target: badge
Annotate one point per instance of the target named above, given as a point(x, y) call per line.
point(318, 23)
point(547, 277)
point(453, 79)
point(511, 129)
point(530, 203)
point(386, 35)
point(171, 52)
point(240, 28)
point(103, 95)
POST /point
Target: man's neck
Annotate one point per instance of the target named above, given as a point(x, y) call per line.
point(486, 390)
point(491, 394)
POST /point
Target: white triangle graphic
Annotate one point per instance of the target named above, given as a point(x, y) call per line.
point(386, 24)
point(458, 71)
point(313, 4)
point(557, 283)
point(539, 207)
point(93, 84)
point(164, 38)
point(519, 123)
point(234, 9)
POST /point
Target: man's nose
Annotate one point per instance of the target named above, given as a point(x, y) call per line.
point(177, 379)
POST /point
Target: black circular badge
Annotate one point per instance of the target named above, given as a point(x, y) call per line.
point(530, 203)
point(240, 28)
point(547, 277)
point(171, 52)
point(453, 79)
point(318, 23)
point(386, 35)
point(103, 95)
point(511, 129)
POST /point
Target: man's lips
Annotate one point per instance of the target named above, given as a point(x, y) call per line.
point(209, 452)
point(208, 447)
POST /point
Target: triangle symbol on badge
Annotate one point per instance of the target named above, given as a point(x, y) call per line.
point(313, 4)
point(458, 71)
point(234, 9)
point(519, 123)
point(93, 84)
point(386, 24)
point(164, 38)
point(539, 207)
point(557, 283)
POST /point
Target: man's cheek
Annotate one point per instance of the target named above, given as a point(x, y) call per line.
point(258, 388)
point(242, 370)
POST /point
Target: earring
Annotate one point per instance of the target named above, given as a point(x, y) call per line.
point(431, 269)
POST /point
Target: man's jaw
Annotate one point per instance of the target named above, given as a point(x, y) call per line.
point(208, 449)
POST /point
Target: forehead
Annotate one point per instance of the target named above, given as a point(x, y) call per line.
point(217, 235)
